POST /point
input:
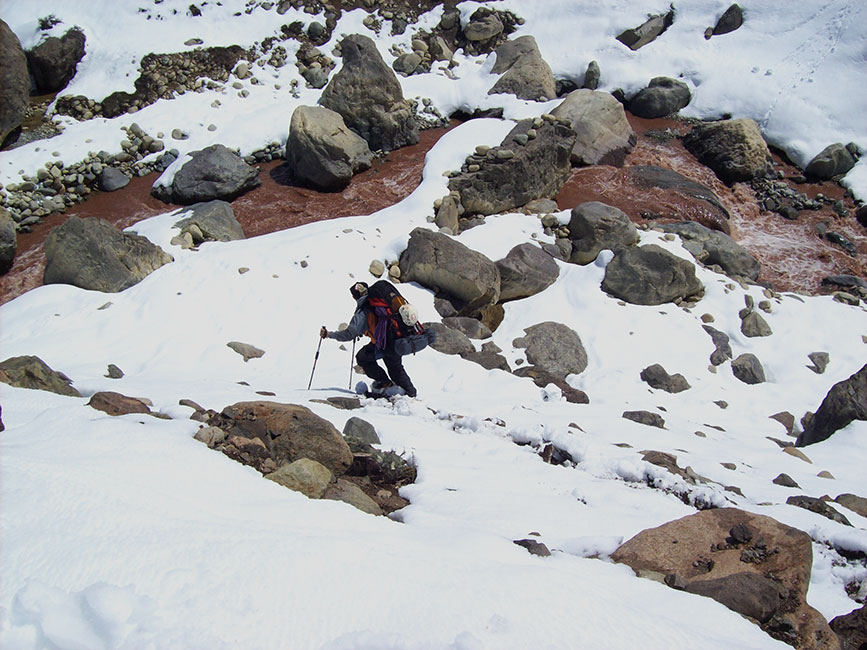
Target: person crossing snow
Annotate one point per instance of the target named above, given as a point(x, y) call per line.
point(392, 325)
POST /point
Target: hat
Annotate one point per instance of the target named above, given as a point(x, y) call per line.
point(358, 289)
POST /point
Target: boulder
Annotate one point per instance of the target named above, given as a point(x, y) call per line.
point(853, 502)
point(441, 263)
point(14, 82)
point(819, 506)
point(514, 174)
point(33, 373)
point(647, 418)
point(289, 432)
point(348, 492)
point(117, 404)
point(732, 19)
point(93, 254)
point(214, 172)
point(657, 377)
point(694, 201)
point(524, 72)
point(53, 62)
point(471, 327)
point(448, 214)
point(663, 96)
point(845, 402)
point(591, 76)
point(749, 563)
point(594, 227)
point(111, 179)
point(711, 247)
point(604, 135)
point(483, 25)
point(733, 149)
point(555, 348)
point(754, 325)
point(647, 32)
point(525, 271)
point(449, 340)
point(361, 430)
point(833, 160)
point(322, 152)
point(748, 369)
point(211, 221)
point(304, 475)
point(851, 629)
point(650, 275)
point(542, 378)
point(8, 240)
point(367, 94)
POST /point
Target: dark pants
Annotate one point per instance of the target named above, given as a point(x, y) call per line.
point(367, 357)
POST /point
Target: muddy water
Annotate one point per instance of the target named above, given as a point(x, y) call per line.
point(793, 256)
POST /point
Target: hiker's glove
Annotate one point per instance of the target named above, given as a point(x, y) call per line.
point(323, 333)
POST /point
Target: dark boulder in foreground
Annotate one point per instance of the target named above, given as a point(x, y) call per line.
point(54, 61)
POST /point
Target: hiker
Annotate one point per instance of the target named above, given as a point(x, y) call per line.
point(384, 330)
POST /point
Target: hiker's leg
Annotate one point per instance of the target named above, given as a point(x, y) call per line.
point(366, 358)
point(398, 375)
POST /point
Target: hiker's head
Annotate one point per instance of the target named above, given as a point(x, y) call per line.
point(358, 289)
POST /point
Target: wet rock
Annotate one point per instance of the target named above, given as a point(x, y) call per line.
point(709, 212)
point(367, 94)
point(33, 373)
point(663, 96)
point(657, 377)
point(117, 404)
point(525, 271)
point(650, 275)
point(604, 135)
point(14, 82)
point(322, 152)
point(8, 241)
point(93, 254)
point(845, 402)
point(748, 369)
point(525, 73)
point(214, 172)
point(833, 160)
point(734, 149)
point(54, 61)
point(711, 247)
point(555, 348)
point(112, 179)
point(594, 227)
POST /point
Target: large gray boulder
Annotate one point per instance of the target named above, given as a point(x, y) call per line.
point(450, 340)
point(734, 149)
point(844, 403)
point(525, 271)
point(211, 221)
point(748, 369)
point(33, 373)
point(322, 152)
point(554, 348)
point(215, 172)
point(441, 263)
point(366, 92)
point(14, 82)
point(711, 247)
point(663, 96)
point(92, 254)
point(8, 240)
point(833, 160)
point(604, 134)
point(531, 163)
point(595, 227)
point(53, 62)
point(524, 72)
point(650, 275)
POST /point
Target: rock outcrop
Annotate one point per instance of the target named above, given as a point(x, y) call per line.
point(845, 402)
point(604, 136)
point(215, 172)
point(92, 254)
point(650, 275)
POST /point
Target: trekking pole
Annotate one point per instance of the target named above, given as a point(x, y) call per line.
point(350, 363)
point(315, 359)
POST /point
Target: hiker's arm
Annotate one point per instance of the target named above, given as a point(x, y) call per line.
point(355, 328)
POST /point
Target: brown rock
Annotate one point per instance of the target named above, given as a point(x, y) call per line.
point(117, 404)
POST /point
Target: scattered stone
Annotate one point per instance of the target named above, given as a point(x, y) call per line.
point(833, 160)
point(786, 481)
point(711, 247)
point(525, 271)
point(820, 361)
point(845, 402)
point(214, 172)
point(753, 325)
point(362, 430)
point(211, 221)
point(650, 275)
point(748, 369)
point(723, 350)
point(117, 404)
point(818, 506)
point(645, 417)
point(554, 348)
point(246, 350)
point(647, 32)
point(786, 419)
point(797, 453)
point(732, 19)
point(524, 72)
point(111, 179)
point(657, 377)
point(114, 372)
point(348, 492)
point(534, 547)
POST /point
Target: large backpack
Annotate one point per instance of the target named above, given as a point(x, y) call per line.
point(396, 320)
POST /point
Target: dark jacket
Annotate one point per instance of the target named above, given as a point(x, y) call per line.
point(359, 324)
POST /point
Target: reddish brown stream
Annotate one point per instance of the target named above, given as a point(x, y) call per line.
point(793, 256)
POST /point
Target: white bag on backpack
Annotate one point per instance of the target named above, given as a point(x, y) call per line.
point(409, 314)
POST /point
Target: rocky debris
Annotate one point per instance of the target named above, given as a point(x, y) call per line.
point(322, 152)
point(594, 227)
point(734, 149)
point(383, 466)
point(845, 402)
point(819, 506)
point(710, 213)
point(531, 163)
point(8, 241)
point(647, 32)
point(441, 263)
point(713, 248)
point(604, 134)
point(650, 275)
point(776, 196)
point(645, 417)
point(116, 404)
point(488, 357)
point(660, 458)
point(471, 327)
point(33, 373)
point(248, 451)
point(833, 160)
point(92, 254)
point(304, 475)
point(711, 551)
point(748, 369)
point(555, 348)
point(534, 547)
point(525, 73)
point(209, 221)
point(113, 372)
point(722, 349)
point(851, 283)
point(111, 180)
point(853, 502)
point(246, 350)
point(485, 30)
point(14, 82)
point(367, 94)
point(786, 481)
point(753, 324)
point(360, 430)
point(54, 61)
point(732, 19)
point(312, 64)
point(525, 271)
point(448, 213)
point(657, 377)
point(663, 96)
point(851, 629)
point(215, 172)
point(450, 340)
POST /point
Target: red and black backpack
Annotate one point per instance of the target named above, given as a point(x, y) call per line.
point(395, 317)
